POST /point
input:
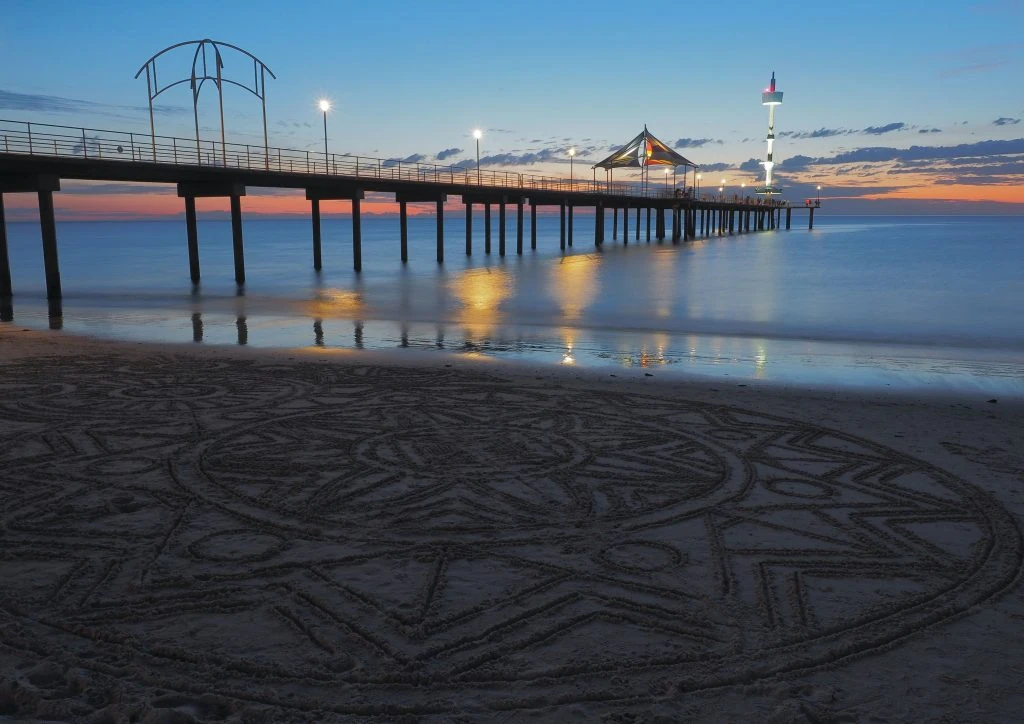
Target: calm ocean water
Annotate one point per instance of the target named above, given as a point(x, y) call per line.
point(909, 302)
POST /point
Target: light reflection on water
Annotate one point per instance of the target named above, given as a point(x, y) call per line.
point(860, 304)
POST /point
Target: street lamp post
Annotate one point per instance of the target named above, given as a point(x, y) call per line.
point(743, 190)
point(325, 105)
point(818, 197)
point(699, 177)
point(666, 179)
point(572, 152)
point(721, 190)
point(477, 134)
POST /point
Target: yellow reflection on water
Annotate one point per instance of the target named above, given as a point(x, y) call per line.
point(481, 293)
point(760, 362)
point(568, 338)
point(769, 267)
point(335, 304)
point(663, 283)
point(574, 284)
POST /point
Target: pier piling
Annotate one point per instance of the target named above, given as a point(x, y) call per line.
point(193, 238)
point(190, 191)
point(5, 260)
point(519, 226)
point(357, 234)
point(48, 226)
point(237, 246)
point(533, 224)
point(315, 206)
point(403, 230)
point(440, 231)
point(501, 228)
point(44, 186)
point(561, 228)
point(487, 228)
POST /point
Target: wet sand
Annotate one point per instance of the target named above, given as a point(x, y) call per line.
point(224, 534)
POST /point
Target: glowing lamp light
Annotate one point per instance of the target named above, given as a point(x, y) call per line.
point(325, 105)
point(477, 133)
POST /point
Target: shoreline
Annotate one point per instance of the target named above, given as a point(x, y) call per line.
point(764, 394)
point(857, 366)
point(503, 542)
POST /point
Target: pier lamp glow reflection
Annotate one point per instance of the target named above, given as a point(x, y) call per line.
point(567, 358)
point(477, 133)
point(325, 105)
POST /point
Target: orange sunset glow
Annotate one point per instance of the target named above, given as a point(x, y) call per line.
point(82, 205)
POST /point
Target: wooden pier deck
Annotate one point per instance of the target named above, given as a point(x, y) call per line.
point(36, 157)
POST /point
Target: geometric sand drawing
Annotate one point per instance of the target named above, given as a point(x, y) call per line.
point(358, 540)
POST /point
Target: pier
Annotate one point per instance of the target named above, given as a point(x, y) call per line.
point(35, 158)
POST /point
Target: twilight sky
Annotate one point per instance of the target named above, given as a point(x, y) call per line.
point(906, 103)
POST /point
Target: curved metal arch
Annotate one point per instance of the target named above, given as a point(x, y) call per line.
point(196, 80)
point(212, 42)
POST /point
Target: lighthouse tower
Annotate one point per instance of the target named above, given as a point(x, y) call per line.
point(770, 98)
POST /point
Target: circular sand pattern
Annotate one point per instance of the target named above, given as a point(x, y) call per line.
point(236, 546)
point(810, 489)
point(467, 471)
point(110, 388)
point(357, 541)
point(435, 452)
point(641, 556)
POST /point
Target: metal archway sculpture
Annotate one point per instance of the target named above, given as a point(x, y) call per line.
point(200, 74)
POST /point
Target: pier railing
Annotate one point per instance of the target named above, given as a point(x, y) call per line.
point(44, 139)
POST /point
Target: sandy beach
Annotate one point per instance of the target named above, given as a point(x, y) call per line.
point(195, 533)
